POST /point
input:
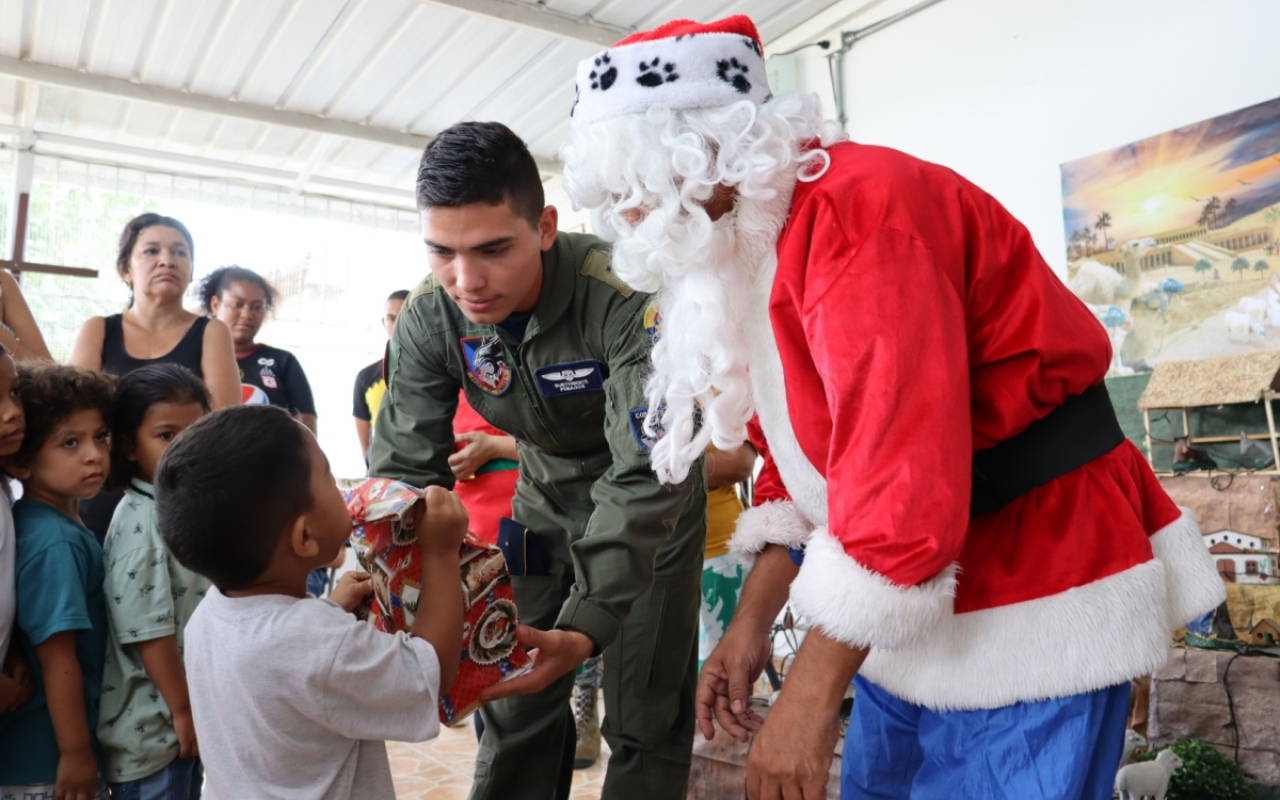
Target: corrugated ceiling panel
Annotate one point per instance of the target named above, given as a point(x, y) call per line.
point(125, 26)
point(58, 32)
point(292, 48)
point(275, 145)
point(174, 40)
point(414, 50)
point(521, 53)
point(249, 22)
point(537, 101)
point(10, 27)
point(234, 138)
point(394, 64)
point(464, 53)
point(364, 33)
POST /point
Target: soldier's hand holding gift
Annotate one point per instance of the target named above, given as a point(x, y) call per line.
point(554, 653)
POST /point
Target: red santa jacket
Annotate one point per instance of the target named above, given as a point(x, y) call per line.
point(912, 323)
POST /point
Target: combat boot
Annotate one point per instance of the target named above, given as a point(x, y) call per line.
point(586, 717)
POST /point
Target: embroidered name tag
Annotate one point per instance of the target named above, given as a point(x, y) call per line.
point(556, 380)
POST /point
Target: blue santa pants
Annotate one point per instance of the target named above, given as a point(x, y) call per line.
point(1063, 749)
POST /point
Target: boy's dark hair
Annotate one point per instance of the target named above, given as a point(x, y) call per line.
point(480, 162)
point(227, 487)
point(52, 392)
point(216, 282)
point(398, 294)
point(137, 392)
point(135, 226)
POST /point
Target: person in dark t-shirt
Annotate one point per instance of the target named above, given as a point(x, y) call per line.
point(367, 395)
point(241, 298)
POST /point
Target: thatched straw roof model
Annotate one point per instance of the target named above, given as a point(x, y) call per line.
point(1216, 382)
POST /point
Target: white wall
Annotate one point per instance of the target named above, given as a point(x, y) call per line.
point(1004, 91)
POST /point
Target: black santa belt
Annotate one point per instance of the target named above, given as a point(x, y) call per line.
point(1073, 434)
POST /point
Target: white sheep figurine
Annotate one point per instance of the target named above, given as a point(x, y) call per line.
point(1241, 323)
point(1149, 778)
point(1255, 307)
point(1132, 741)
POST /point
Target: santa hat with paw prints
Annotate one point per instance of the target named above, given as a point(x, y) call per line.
point(679, 65)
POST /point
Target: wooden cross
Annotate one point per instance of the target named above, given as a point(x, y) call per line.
point(17, 265)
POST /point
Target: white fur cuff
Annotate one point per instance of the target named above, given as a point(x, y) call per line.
point(1191, 577)
point(861, 608)
point(775, 522)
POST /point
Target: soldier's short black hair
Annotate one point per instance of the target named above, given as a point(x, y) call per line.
point(227, 488)
point(480, 162)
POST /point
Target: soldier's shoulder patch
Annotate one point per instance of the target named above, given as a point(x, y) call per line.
point(652, 320)
point(427, 286)
point(599, 265)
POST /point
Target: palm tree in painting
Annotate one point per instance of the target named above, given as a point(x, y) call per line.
point(1204, 266)
point(1240, 265)
point(1228, 210)
point(1272, 217)
point(1261, 266)
point(1209, 216)
point(1104, 222)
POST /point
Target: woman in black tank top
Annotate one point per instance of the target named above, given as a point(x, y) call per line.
point(155, 260)
point(116, 360)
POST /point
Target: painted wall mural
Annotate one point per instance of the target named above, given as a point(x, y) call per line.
point(1174, 240)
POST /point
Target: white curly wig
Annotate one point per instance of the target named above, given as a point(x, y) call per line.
point(664, 165)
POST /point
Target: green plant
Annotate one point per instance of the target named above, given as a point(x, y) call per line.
point(1206, 774)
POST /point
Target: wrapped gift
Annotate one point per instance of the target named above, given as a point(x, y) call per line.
point(390, 555)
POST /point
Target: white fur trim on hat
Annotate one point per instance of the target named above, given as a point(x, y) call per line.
point(702, 70)
point(775, 522)
point(861, 608)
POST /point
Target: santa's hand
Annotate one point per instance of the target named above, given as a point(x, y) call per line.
point(791, 756)
point(554, 653)
point(724, 687)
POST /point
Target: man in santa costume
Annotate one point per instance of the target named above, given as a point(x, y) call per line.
point(946, 493)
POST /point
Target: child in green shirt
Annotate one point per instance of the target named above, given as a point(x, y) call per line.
point(148, 739)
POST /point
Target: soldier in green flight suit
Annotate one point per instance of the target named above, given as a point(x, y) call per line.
point(551, 347)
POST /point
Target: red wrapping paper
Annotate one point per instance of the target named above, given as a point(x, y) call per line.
point(392, 558)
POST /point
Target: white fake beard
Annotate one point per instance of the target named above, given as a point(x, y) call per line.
point(707, 274)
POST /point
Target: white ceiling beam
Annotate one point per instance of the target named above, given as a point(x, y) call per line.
point(142, 158)
point(175, 98)
point(540, 18)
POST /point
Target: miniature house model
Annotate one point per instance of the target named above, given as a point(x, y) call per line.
point(1242, 558)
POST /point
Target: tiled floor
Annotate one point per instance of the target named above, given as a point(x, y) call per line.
point(440, 769)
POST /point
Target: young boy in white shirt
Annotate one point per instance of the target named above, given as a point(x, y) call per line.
point(293, 696)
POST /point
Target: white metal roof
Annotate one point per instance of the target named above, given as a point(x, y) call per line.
point(329, 97)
